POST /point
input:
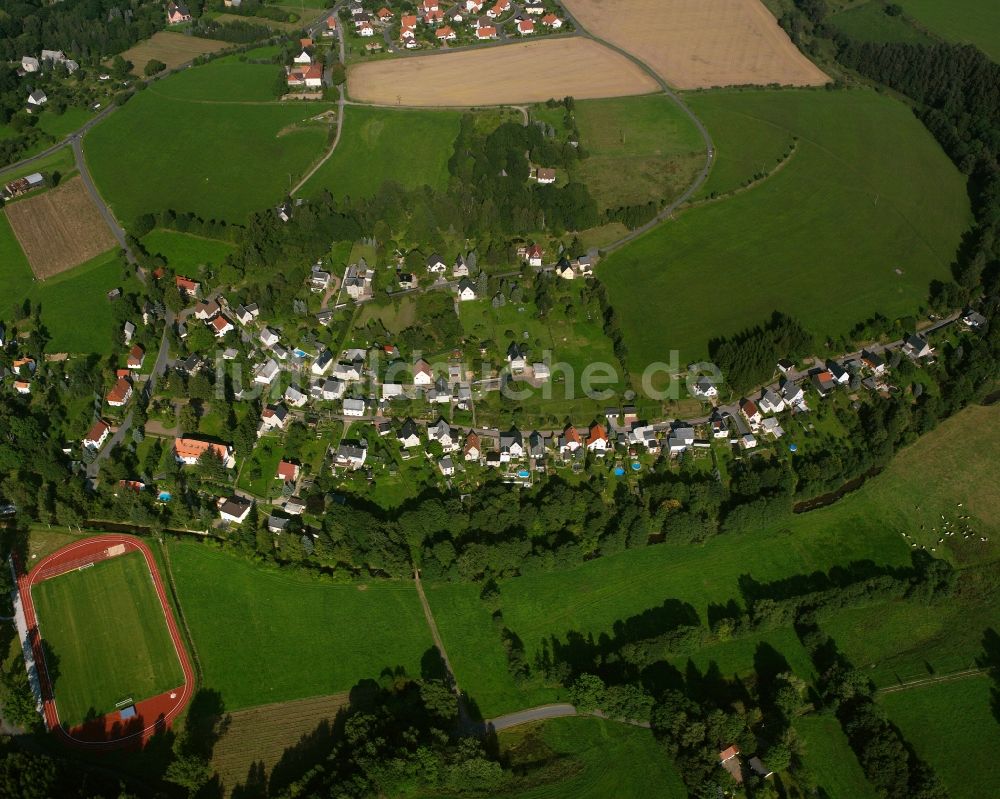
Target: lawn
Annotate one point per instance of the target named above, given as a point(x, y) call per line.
point(640, 149)
point(947, 724)
point(868, 200)
point(184, 252)
point(267, 636)
point(587, 758)
point(75, 310)
point(971, 21)
point(61, 125)
point(865, 525)
point(89, 619)
point(408, 147)
point(159, 152)
point(870, 23)
point(828, 757)
point(257, 474)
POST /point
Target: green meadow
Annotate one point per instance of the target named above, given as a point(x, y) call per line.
point(75, 309)
point(267, 636)
point(177, 146)
point(224, 79)
point(870, 23)
point(184, 252)
point(88, 619)
point(964, 21)
point(867, 525)
point(863, 216)
point(408, 147)
point(949, 725)
point(828, 757)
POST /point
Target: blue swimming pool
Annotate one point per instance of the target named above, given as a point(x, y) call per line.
point(164, 496)
point(636, 466)
point(524, 474)
point(619, 471)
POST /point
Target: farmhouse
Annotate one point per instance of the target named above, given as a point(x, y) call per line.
point(23, 185)
point(120, 394)
point(97, 435)
point(235, 510)
point(189, 450)
point(177, 13)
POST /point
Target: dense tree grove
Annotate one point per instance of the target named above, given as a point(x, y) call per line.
point(748, 358)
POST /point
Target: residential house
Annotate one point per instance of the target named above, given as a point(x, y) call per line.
point(517, 355)
point(823, 381)
point(24, 387)
point(29, 64)
point(322, 364)
point(545, 176)
point(384, 15)
point(443, 433)
point(422, 373)
point(294, 506)
point(570, 441)
point(729, 759)
point(538, 444)
point(245, 314)
point(466, 290)
point(277, 524)
point(351, 455)
point(973, 319)
point(840, 375)
point(221, 326)
point(295, 398)
point(177, 13)
point(189, 450)
point(511, 445)
point(541, 372)
point(391, 391)
point(128, 331)
point(349, 372)
point(461, 268)
point(303, 58)
point(206, 309)
point(406, 280)
point(785, 366)
point(312, 76)
point(383, 427)
point(747, 441)
point(771, 427)
point(705, 387)
point(268, 337)
point(680, 438)
point(23, 366)
point(37, 99)
point(565, 270)
point(97, 435)
point(187, 287)
point(644, 435)
point(333, 389)
point(324, 317)
point(473, 448)
point(750, 411)
point(534, 7)
point(525, 27)
point(874, 362)
point(436, 264)
point(235, 509)
point(319, 279)
point(446, 466)
point(719, 428)
point(534, 255)
point(445, 34)
point(287, 471)
point(791, 392)
point(597, 439)
point(354, 407)
point(272, 418)
point(758, 768)
point(484, 32)
point(120, 394)
point(916, 347)
point(136, 356)
point(266, 373)
point(408, 435)
point(552, 21)
point(770, 402)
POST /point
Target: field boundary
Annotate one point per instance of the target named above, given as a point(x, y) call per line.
point(923, 682)
point(107, 732)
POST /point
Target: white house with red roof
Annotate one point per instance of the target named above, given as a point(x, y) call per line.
point(552, 21)
point(120, 394)
point(445, 34)
point(534, 255)
point(486, 32)
point(186, 286)
point(177, 13)
point(287, 471)
point(136, 356)
point(597, 439)
point(97, 435)
point(525, 27)
point(220, 326)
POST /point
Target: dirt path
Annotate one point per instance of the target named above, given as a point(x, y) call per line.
point(925, 681)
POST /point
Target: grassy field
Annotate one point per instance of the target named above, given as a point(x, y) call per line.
point(865, 525)
point(870, 23)
point(60, 161)
point(827, 755)
point(960, 21)
point(223, 79)
point(409, 147)
point(947, 724)
point(162, 152)
point(264, 636)
point(90, 619)
point(184, 252)
point(588, 758)
point(640, 148)
point(75, 311)
point(868, 200)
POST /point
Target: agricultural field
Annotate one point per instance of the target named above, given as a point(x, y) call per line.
point(172, 48)
point(947, 724)
point(75, 310)
point(224, 79)
point(256, 739)
point(887, 222)
point(664, 580)
point(408, 147)
point(557, 68)
point(695, 44)
point(963, 21)
point(161, 152)
point(640, 149)
point(185, 252)
point(829, 758)
point(88, 619)
point(265, 636)
point(587, 758)
point(868, 22)
point(59, 228)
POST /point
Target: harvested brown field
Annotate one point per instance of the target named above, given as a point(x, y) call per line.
point(255, 740)
point(697, 44)
point(173, 49)
point(517, 73)
point(59, 229)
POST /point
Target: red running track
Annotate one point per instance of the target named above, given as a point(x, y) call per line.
point(153, 714)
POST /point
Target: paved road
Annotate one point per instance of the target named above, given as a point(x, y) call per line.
point(76, 141)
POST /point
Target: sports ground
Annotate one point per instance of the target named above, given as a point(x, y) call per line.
point(104, 638)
